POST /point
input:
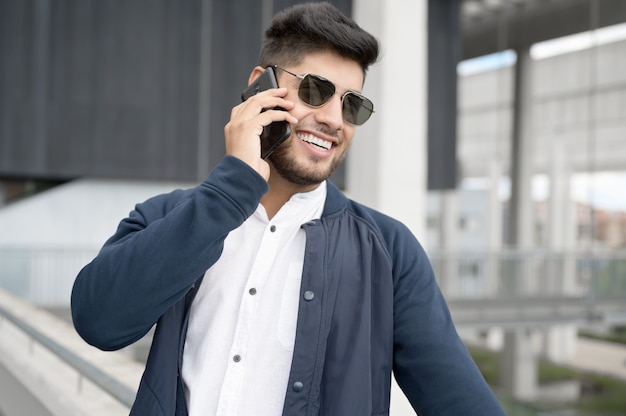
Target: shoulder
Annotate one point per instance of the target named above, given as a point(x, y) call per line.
point(394, 234)
point(231, 182)
point(159, 205)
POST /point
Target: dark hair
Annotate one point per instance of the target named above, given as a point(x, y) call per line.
point(312, 27)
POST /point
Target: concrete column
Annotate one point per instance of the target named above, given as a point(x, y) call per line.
point(521, 231)
point(559, 197)
point(494, 229)
point(3, 194)
point(562, 221)
point(449, 218)
point(521, 222)
point(387, 162)
point(519, 364)
point(560, 340)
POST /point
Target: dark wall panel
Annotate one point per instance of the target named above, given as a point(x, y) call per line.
point(443, 56)
point(104, 88)
point(235, 41)
point(114, 88)
point(16, 86)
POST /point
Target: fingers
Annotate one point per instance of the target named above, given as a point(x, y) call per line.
point(271, 95)
point(242, 132)
point(262, 102)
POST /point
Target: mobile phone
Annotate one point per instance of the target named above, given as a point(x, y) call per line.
point(277, 132)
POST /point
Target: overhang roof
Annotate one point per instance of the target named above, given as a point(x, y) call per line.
point(489, 26)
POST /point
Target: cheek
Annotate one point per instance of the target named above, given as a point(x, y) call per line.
point(348, 133)
point(301, 111)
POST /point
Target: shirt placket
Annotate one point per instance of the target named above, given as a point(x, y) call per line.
point(238, 358)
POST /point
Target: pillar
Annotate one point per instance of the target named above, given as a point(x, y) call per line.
point(518, 368)
point(519, 364)
point(3, 193)
point(521, 229)
point(494, 226)
point(493, 229)
point(386, 166)
point(560, 340)
point(449, 218)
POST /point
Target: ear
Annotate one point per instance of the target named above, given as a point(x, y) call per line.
point(258, 70)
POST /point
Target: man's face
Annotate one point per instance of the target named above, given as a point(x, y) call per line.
point(320, 139)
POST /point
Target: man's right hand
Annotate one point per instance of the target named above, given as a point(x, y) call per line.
point(242, 133)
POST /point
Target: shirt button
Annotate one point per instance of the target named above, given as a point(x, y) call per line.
point(252, 291)
point(298, 386)
point(308, 295)
point(273, 228)
point(237, 358)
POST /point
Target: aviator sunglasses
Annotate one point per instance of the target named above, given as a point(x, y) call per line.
point(316, 91)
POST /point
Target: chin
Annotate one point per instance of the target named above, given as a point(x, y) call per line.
point(301, 173)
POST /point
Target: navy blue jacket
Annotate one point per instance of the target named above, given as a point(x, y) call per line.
point(376, 307)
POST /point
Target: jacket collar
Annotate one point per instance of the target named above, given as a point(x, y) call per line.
point(335, 200)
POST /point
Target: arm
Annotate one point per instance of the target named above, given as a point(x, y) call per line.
point(157, 254)
point(431, 363)
point(169, 241)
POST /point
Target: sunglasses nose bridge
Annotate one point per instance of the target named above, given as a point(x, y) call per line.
point(331, 112)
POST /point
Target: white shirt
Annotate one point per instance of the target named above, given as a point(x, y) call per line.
point(242, 322)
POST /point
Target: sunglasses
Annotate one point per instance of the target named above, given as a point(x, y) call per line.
point(316, 91)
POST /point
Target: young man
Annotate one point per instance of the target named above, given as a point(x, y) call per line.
point(271, 292)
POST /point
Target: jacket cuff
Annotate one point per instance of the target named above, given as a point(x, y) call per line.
point(239, 182)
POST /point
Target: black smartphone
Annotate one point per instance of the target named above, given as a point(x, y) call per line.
point(276, 133)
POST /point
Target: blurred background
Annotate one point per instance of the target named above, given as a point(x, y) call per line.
point(499, 138)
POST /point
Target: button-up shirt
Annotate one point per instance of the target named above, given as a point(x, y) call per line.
point(242, 323)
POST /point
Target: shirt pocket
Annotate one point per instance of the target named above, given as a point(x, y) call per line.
point(288, 319)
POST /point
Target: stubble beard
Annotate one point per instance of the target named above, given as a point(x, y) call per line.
point(297, 173)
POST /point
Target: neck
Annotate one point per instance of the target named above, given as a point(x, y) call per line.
point(280, 191)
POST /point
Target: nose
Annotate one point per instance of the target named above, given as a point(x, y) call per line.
point(331, 113)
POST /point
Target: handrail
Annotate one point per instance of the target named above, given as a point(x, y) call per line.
point(119, 391)
point(530, 273)
point(488, 278)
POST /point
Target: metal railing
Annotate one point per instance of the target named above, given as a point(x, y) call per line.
point(537, 287)
point(526, 285)
point(112, 386)
point(42, 275)
point(527, 274)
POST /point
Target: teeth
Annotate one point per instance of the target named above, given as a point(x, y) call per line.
point(309, 138)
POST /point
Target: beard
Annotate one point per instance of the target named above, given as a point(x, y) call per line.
point(299, 173)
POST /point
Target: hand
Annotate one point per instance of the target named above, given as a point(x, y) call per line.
point(242, 133)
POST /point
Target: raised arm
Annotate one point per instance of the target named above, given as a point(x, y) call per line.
point(157, 254)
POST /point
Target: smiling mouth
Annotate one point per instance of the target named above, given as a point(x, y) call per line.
point(321, 143)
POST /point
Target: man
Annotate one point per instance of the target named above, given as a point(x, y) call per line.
point(271, 292)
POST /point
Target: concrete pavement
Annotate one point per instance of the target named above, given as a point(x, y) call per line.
point(51, 381)
point(63, 392)
point(599, 357)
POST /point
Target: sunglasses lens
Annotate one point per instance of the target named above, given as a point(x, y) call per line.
point(356, 108)
point(315, 91)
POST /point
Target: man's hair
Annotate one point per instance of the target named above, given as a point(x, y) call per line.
point(314, 27)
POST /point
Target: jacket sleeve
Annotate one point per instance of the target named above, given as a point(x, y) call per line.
point(431, 364)
point(158, 253)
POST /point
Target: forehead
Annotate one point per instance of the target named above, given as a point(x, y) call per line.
point(343, 72)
